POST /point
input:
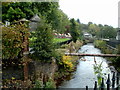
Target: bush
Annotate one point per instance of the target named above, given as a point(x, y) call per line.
point(38, 84)
point(50, 84)
point(118, 47)
point(12, 40)
point(100, 44)
point(67, 62)
point(116, 60)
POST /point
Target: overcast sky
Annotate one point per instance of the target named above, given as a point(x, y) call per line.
point(96, 11)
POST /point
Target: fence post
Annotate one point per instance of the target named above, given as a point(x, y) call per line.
point(117, 81)
point(86, 87)
point(102, 84)
point(113, 80)
point(108, 82)
point(117, 78)
point(95, 87)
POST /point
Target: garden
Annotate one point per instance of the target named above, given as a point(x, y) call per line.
point(35, 59)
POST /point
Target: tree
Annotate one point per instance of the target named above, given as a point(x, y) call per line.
point(108, 32)
point(89, 23)
point(93, 29)
point(15, 11)
point(43, 47)
point(78, 21)
point(59, 20)
point(74, 30)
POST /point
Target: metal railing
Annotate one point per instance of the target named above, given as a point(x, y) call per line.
point(112, 84)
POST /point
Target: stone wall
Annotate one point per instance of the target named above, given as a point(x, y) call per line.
point(39, 71)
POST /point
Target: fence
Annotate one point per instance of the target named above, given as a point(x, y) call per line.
point(113, 43)
point(112, 84)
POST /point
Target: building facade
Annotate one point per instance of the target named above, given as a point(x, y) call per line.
point(118, 32)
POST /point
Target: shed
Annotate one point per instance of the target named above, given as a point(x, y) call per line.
point(34, 22)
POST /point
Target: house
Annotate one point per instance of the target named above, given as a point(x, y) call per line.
point(87, 35)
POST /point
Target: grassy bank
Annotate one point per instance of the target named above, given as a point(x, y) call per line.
point(57, 40)
point(105, 49)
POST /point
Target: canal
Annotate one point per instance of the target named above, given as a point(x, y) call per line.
point(89, 69)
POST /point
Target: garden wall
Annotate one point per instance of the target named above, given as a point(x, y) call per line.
point(39, 71)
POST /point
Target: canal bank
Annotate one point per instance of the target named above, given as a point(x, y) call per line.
point(89, 69)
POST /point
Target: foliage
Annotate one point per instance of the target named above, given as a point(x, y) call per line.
point(107, 32)
point(99, 31)
point(12, 41)
point(14, 14)
point(93, 29)
point(118, 47)
point(74, 30)
point(50, 84)
point(38, 84)
point(116, 60)
point(14, 11)
point(98, 68)
point(64, 46)
point(43, 47)
point(78, 21)
point(67, 61)
point(108, 51)
point(58, 57)
point(59, 20)
point(50, 10)
point(98, 71)
point(100, 44)
point(57, 40)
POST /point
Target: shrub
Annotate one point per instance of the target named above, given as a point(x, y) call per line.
point(12, 40)
point(67, 61)
point(38, 84)
point(50, 84)
point(100, 44)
